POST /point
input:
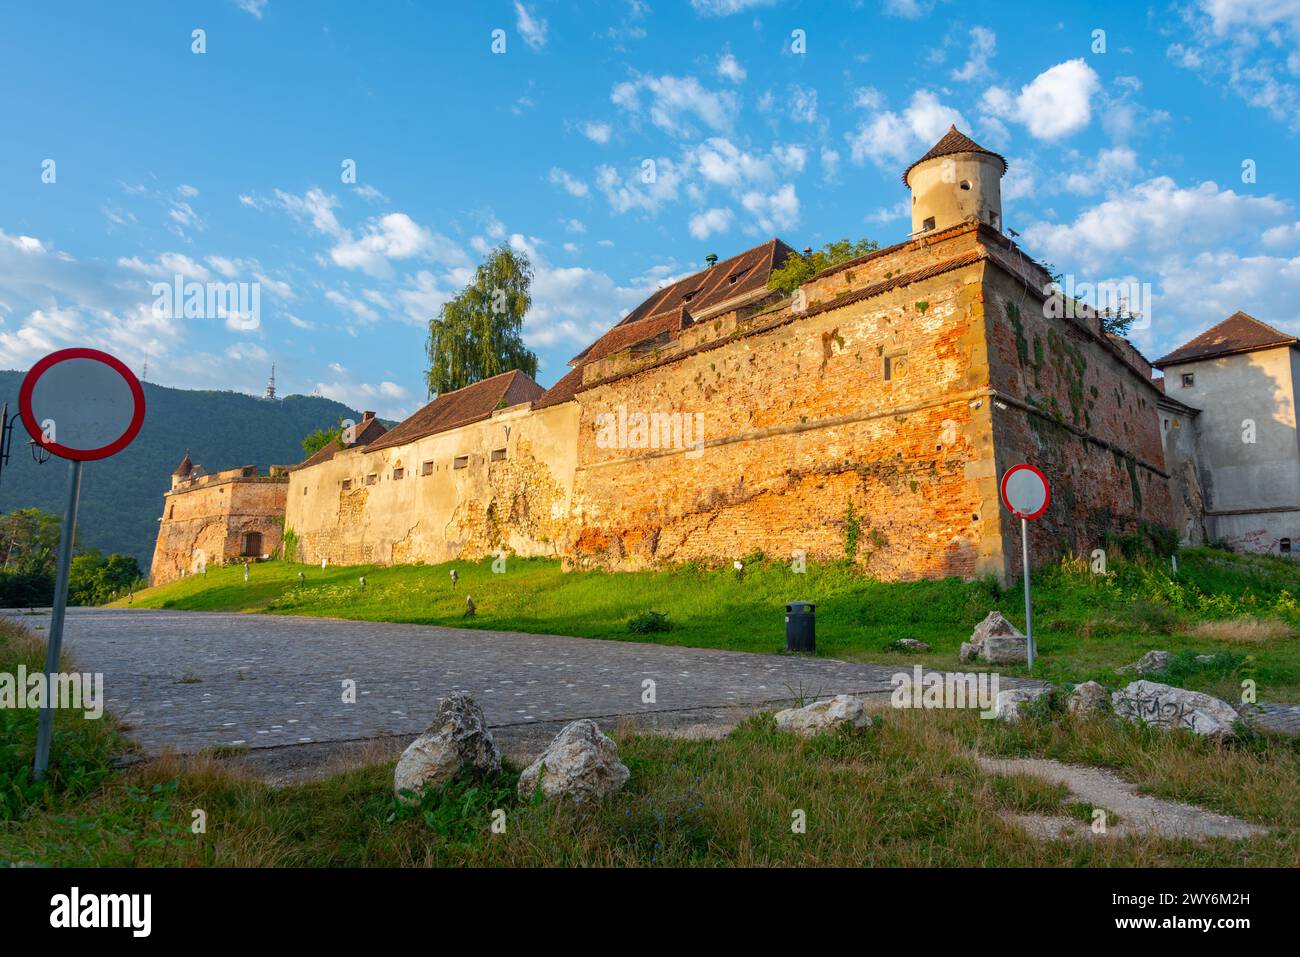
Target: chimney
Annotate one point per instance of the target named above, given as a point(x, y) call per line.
point(367, 416)
point(807, 251)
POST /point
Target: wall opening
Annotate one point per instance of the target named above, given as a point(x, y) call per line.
point(250, 545)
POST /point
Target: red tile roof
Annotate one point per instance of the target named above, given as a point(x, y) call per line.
point(470, 404)
point(1238, 333)
point(367, 431)
point(952, 143)
point(670, 309)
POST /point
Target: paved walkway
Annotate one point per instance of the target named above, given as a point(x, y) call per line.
point(187, 680)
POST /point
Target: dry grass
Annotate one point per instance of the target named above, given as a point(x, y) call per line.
point(1244, 631)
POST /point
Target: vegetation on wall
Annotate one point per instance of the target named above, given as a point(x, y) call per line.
point(797, 270)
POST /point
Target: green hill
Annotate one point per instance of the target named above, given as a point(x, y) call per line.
point(122, 497)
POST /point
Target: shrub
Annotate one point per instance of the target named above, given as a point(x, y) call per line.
point(649, 621)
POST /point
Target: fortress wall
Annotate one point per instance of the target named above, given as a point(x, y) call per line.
point(799, 424)
point(517, 503)
point(205, 523)
point(1058, 380)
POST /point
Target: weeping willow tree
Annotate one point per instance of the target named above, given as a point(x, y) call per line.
point(478, 334)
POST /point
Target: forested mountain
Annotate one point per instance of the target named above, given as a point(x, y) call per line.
point(122, 497)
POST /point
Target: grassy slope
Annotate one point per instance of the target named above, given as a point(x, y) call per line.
point(1087, 625)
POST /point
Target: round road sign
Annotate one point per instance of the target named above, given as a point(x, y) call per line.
point(81, 404)
point(1025, 491)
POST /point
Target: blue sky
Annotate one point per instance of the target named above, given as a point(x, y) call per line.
point(1126, 155)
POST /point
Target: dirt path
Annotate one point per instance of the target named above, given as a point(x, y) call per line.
point(1137, 814)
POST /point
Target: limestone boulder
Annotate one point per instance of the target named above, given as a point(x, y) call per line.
point(1009, 704)
point(910, 644)
point(822, 716)
point(996, 641)
point(457, 741)
point(580, 763)
point(1152, 663)
point(1168, 707)
point(1087, 699)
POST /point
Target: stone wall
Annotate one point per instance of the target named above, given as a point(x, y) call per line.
point(1072, 402)
point(502, 484)
point(204, 522)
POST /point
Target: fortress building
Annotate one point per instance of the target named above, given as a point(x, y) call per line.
point(871, 415)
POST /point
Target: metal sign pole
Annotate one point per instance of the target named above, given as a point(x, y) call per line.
point(1029, 610)
point(46, 727)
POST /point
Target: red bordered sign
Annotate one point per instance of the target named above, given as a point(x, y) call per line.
point(1025, 491)
point(81, 404)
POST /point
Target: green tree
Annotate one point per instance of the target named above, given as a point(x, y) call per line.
point(94, 579)
point(797, 270)
point(29, 541)
point(478, 334)
point(317, 440)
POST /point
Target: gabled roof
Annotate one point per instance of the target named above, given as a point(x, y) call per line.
point(669, 310)
point(369, 430)
point(453, 409)
point(1238, 333)
point(950, 144)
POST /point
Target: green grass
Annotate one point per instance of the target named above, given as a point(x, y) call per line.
point(1086, 625)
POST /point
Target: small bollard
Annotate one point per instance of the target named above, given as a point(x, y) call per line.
point(801, 627)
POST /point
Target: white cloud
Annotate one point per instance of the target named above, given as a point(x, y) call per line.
point(710, 221)
point(773, 211)
point(792, 159)
point(724, 8)
point(730, 68)
point(632, 192)
point(889, 138)
point(572, 185)
point(1112, 166)
point(597, 132)
point(674, 101)
point(255, 7)
point(830, 164)
point(530, 27)
point(1054, 104)
point(983, 42)
point(1154, 217)
point(803, 104)
point(393, 236)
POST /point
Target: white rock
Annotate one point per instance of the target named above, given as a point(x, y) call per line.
point(580, 762)
point(1167, 707)
point(1008, 704)
point(996, 641)
point(1153, 662)
point(911, 644)
point(824, 716)
point(1087, 699)
point(458, 740)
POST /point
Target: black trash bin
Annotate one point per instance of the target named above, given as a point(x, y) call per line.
point(801, 627)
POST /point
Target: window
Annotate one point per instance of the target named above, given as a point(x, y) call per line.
point(304, 490)
point(250, 545)
point(1285, 546)
point(498, 455)
point(1189, 380)
point(370, 479)
point(171, 511)
point(895, 367)
point(928, 223)
point(993, 218)
point(399, 473)
point(426, 468)
point(460, 462)
point(736, 276)
point(690, 295)
point(347, 484)
point(965, 184)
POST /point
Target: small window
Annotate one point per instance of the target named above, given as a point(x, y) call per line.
point(460, 462)
point(498, 455)
point(965, 184)
point(171, 511)
point(993, 218)
point(735, 277)
point(371, 478)
point(399, 473)
point(304, 490)
point(426, 468)
point(1285, 546)
point(1189, 380)
point(895, 367)
point(928, 223)
point(690, 295)
point(347, 484)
